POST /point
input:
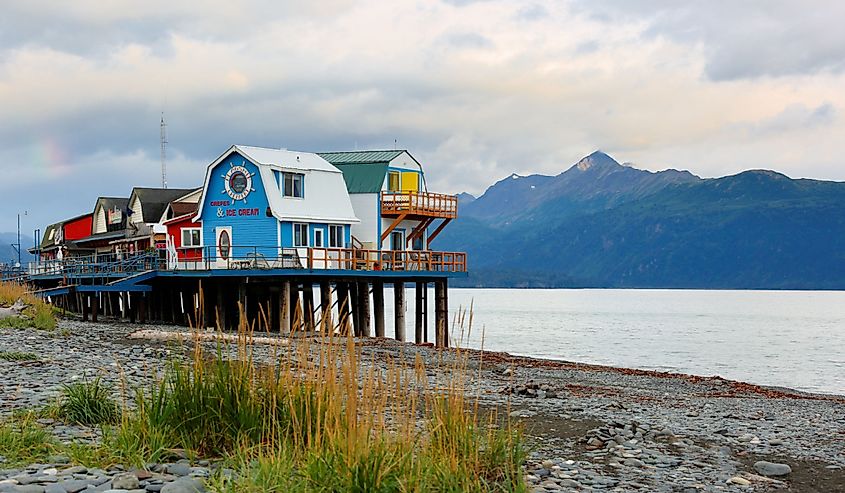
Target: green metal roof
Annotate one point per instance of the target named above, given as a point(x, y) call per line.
point(360, 157)
point(363, 178)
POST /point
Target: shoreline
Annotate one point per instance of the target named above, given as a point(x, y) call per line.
point(588, 427)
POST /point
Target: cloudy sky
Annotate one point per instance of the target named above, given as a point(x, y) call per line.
point(475, 89)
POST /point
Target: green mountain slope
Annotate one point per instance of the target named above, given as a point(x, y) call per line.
point(758, 229)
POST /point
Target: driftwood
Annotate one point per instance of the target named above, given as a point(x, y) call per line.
point(14, 310)
point(161, 335)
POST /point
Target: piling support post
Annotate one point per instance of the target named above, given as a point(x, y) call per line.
point(95, 307)
point(343, 307)
point(86, 301)
point(419, 315)
point(356, 309)
point(142, 308)
point(296, 308)
point(364, 308)
point(326, 307)
point(285, 315)
point(378, 307)
point(243, 317)
point(308, 305)
point(441, 301)
point(399, 310)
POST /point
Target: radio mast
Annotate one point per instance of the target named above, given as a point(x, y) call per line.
point(163, 152)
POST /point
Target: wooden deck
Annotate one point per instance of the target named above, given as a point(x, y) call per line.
point(417, 205)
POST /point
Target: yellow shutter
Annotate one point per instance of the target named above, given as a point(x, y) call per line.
point(410, 181)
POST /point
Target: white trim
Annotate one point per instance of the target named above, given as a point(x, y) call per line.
point(182, 238)
point(307, 235)
point(278, 234)
point(322, 242)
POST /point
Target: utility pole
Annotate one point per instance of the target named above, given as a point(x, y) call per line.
point(17, 246)
point(163, 128)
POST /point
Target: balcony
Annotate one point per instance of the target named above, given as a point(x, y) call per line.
point(419, 205)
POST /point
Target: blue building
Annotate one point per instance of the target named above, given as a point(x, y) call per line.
point(273, 203)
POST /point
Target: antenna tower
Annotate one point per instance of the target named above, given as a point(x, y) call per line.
point(163, 152)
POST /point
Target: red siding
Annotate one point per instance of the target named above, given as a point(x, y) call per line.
point(174, 229)
point(78, 228)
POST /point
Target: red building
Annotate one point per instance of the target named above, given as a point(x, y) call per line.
point(79, 227)
point(185, 234)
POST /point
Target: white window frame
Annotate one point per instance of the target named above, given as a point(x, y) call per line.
point(284, 187)
point(339, 238)
point(191, 230)
point(320, 234)
point(305, 236)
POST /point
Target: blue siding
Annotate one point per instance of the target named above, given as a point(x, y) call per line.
point(248, 218)
point(287, 234)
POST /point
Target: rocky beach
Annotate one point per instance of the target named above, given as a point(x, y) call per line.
point(588, 428)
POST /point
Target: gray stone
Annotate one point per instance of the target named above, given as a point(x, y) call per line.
point(28, 488)
point(125, 481)
point(73, 485)
point(772, 468)
point(179, 469)
point(184, 485)
point(54, 488)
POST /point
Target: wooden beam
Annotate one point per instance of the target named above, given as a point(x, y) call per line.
point(364, 307)
point(419, 319)
point(378, 307)
point(441, 313)
point(437, 231)
point(419, 230)
point(393, 225)
point(399, 310)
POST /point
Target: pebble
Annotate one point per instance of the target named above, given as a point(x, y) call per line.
point(772, 469)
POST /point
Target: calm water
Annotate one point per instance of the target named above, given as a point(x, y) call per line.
point(785, 338)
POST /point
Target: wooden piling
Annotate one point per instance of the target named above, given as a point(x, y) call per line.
point(343, 307)
point(326, 307)
point(308, 306)
point(441, 313)
point(95, 307)
point(364, 308)
point(142, 308)
point(220, 309)
point(399, 310)
point(378, 307)
point(355, 309)
point(285, 309)
point(419, 315)
point(86, 301)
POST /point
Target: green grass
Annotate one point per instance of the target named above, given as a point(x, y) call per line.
point(87, 403)
point(319, 420)
point(38, 314)
point(23, 441)
point(18, 356)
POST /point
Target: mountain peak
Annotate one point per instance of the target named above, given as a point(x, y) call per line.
point(597, 159)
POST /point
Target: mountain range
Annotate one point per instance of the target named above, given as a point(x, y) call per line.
point(8, 255)
point(603, 224)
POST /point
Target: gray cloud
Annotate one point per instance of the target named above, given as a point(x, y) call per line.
point(475, 92)
point(741, 39)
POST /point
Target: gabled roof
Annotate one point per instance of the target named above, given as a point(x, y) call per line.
point(327, 199)
point(155, 200)
point(364, 178)
point(182, 208)
point(111, 203)
point(361, 157)
point(47, 240)
point(285, 159)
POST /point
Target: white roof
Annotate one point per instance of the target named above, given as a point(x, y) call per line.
point(285, 159)
point(326, 197)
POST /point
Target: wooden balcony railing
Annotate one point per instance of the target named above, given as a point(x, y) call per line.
point(75, 269)
point(426, 204)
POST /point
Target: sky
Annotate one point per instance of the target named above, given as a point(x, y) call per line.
point(476, 90)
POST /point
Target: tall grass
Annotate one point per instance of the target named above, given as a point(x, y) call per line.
point(38, 314)
point(88, 403)
point(316, 417)
point(22, 440)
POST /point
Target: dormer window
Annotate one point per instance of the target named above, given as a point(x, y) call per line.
point(293, 185)
point(393, 181)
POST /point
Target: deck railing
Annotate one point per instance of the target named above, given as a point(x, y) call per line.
point(254, 257)
point(426, 204)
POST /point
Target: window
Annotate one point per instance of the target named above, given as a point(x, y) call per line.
point(397, 240)
point(293, 185)
point(393, 181)
point(318, 238)
point(300, 235)
point(336, 236)
point(191, 237)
